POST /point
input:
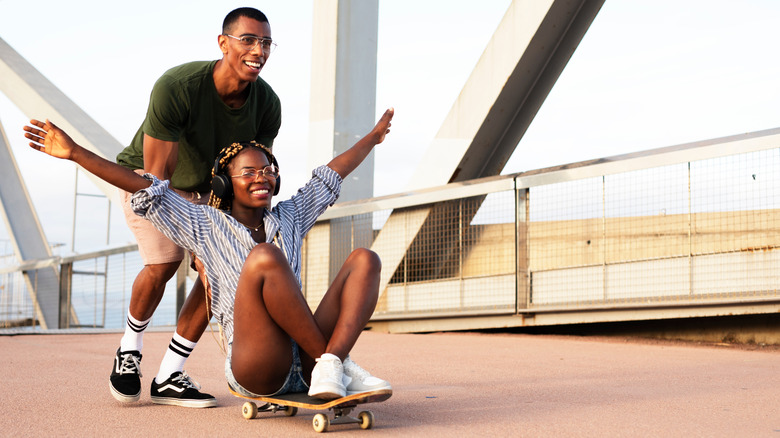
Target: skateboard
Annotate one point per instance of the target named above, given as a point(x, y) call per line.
point(341, 407)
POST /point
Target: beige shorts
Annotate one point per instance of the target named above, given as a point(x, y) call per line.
point(154, 247)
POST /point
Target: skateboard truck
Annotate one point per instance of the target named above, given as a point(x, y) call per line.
point(341, 408)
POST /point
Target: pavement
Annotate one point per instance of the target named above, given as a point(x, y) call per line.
point(445, 384)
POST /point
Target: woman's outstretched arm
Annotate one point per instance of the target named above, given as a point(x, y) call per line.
point(48, 138)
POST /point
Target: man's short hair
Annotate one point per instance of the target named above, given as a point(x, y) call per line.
point(234, 15)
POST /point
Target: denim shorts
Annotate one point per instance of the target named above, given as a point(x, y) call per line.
point(293, 383)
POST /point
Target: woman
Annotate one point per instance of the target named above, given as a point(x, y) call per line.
point(251, 256)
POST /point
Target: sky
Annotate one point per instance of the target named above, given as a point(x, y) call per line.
point(647, 74)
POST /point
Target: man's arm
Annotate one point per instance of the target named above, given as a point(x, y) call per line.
point(350, 159)
point(50, 139)
point(160, 157)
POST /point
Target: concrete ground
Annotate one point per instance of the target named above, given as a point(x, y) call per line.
point(464, 384)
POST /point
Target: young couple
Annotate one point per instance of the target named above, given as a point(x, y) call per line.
point(250, 254)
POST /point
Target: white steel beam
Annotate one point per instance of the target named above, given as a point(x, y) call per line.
point(27, 238)
point(38, 98)
point(511, 80)
point(514, 75)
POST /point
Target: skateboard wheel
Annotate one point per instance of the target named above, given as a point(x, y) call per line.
point(290, 411)
point(366, 419)
point(249, 410)
point(320, 423)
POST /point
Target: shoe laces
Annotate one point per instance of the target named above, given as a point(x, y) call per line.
point(130, 365)
point(355, 371)
point(330, 366)
point(186, 381)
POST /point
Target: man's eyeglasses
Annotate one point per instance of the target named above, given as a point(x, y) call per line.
point(249, 42)
point(252, 174)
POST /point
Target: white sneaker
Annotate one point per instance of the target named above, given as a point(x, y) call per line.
point(327, 378)
point(358, 380)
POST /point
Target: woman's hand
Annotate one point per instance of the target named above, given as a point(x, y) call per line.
point(48, 138)
point(382, 127)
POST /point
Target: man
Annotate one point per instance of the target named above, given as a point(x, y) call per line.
point(195, 109)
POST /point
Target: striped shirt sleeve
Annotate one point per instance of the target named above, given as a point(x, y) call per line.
point(315, 197)
point(175, 217)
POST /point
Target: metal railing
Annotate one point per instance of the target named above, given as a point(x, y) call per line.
point(689, 230)
point(94, 288)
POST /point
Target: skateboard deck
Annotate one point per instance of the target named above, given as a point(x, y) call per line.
point(341, 407)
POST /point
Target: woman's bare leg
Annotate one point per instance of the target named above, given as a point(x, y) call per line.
point(269, 310)
point(348, 304)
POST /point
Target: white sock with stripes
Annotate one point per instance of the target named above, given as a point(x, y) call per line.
point(178, 351)
point(134, 334)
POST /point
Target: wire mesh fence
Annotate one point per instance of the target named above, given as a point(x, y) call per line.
point(98, 293)
point(646, 230)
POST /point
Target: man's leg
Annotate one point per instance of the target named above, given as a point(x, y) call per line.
point(147, 291)
point(161, 259)
point(173, 386)
point(193, 320)
point(195, 315)
point(146, 294)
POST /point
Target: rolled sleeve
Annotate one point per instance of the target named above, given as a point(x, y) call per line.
point(330, 179)
point(143, 200)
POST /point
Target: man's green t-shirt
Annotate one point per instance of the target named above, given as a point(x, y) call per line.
point(185, 107)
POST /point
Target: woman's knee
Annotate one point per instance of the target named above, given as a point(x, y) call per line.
point(365, 258)
point(265, 256)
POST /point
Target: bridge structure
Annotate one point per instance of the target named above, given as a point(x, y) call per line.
point(465, 247)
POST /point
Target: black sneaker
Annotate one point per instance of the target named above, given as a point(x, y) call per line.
point(180, 390)
point(125, 380)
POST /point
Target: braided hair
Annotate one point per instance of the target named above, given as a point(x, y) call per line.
point(224, 159)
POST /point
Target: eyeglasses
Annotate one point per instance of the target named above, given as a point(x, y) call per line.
point(267, 172)
point(249, 42)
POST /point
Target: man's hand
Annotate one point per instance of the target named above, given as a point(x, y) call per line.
point(50, 139)
point(197, 265)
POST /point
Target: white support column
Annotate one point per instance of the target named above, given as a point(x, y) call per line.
point(343, 86)
point(343, 105)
